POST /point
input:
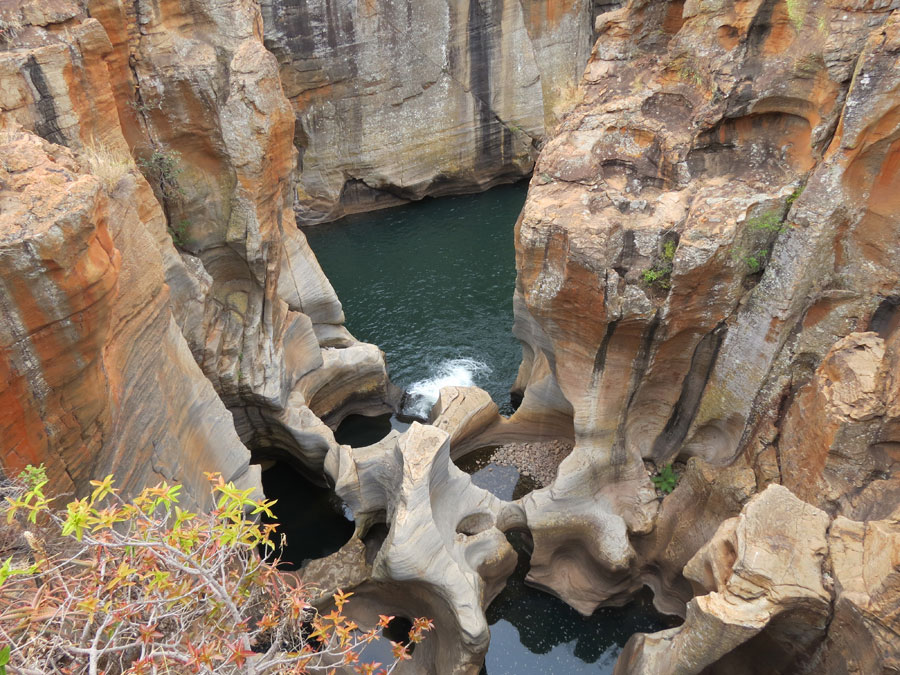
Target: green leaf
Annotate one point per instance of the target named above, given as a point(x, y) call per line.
point(666, 480)
point(4, 659)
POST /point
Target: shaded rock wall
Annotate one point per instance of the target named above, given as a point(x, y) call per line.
point(397, 100)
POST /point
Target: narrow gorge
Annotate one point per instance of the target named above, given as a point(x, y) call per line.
point(642, 417)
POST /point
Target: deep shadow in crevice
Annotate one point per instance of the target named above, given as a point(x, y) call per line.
point(886, 318)
point(312, 519)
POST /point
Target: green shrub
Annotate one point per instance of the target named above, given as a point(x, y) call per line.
point(756, 261)
point(143, 586)
point(179, 232)
point(163, 167)
point(660, 275)
point(666, 479)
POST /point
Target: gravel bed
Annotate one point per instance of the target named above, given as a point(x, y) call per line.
point(537, 460)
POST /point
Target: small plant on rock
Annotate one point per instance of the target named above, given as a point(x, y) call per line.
point(794, 196)
point(107, 165)
point(756, 260)
point(178, 232)
point(660, 275)
point(666, 479)
point(163, 167)
point(769, 222)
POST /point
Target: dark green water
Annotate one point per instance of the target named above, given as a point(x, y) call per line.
point(431, 283)
point(534, 633)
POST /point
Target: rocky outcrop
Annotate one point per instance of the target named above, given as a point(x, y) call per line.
point(754, 582)
point(196, 98)
point(703, 276)
point(444, 554)
point(397, 100)
point(97, 378)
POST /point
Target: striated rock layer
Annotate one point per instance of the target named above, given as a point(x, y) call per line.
point(96, 376)
point(204, 257)
point(707, 273)
point(398, 100)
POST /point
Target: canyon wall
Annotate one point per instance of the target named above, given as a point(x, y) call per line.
point(153, 294)
point(707, 275)
point(398, 100)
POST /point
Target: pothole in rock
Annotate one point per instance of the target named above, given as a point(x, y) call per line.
point(475, 523)
point(380, 649)
point(358, 431)
point(534, 633)
point(314, 521)
point(513, 470)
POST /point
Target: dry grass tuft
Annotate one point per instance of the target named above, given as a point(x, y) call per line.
point(10, 27)
point(107, 165)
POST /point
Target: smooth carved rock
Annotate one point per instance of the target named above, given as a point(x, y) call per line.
point(466, 413)
point(445, 546)
point(397, 100)
point(762, 572)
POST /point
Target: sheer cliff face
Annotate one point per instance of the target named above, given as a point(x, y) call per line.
point(707, 271)
point(124, 352)
point(397, 100)
point(97, 377)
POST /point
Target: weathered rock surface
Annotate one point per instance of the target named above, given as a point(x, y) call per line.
point(397, 100)
point(753, 579)
point(865, 563)
point(703, 273)
point(195, 96)
point(674, 277)
point(445, 554)
point(96, 377)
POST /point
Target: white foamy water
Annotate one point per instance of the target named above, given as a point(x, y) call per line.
point(451, 373)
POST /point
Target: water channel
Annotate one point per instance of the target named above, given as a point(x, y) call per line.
point(431, 283)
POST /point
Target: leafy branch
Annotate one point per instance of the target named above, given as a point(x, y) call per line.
point(143, 586)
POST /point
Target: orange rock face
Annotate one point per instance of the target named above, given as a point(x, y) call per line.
point(196, 98)
point(97, 377)
point(704, 273)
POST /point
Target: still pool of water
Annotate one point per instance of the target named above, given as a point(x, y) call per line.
point(431, 283)
point(534, 633)
point(313, 519)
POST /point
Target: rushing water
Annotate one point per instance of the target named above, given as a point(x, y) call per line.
point(431, 283)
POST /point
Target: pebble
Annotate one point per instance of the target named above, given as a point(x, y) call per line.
point(537, 460)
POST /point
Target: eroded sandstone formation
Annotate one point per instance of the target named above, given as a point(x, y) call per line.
point(707, 275)
point(707, 272)
point(96, 376)
point(195, 98)
point(397, 100)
